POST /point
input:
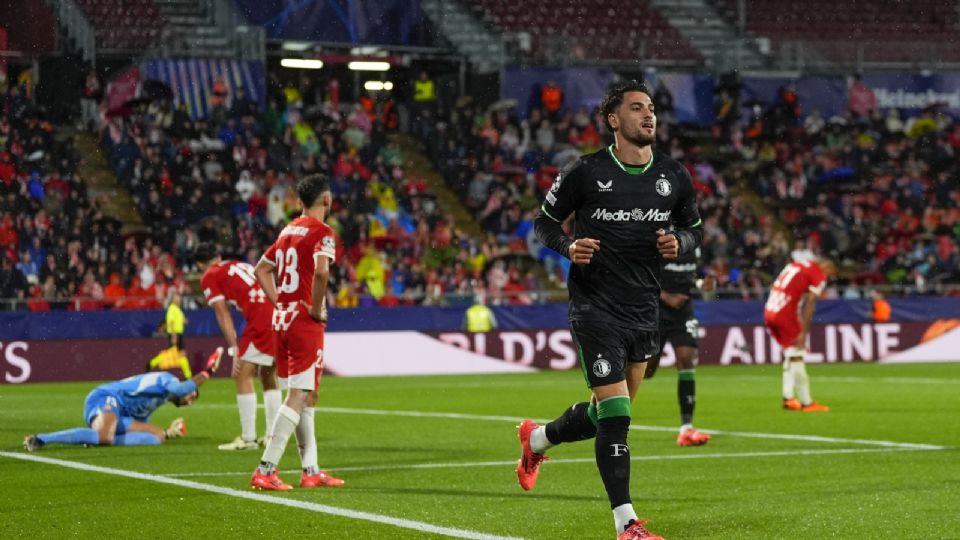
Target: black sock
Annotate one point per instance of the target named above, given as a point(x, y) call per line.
point(613, 458)
point(687, 395)
point(572, 426)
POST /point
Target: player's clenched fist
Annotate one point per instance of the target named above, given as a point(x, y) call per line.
point(582, 249)
point(667, 245)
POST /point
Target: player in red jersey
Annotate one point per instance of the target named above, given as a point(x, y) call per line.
point(232, 282)
point(293, 274)
point(787, 316)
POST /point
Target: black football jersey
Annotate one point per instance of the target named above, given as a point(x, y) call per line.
point(622, 206)
point(680, 275)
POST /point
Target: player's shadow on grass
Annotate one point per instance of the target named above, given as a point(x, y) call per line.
point(478, 494)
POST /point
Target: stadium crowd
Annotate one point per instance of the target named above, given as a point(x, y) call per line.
point(57, 244)
point(501, 164)
point(229, 179)
point(872, 192)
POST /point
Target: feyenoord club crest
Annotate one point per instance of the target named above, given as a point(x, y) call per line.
point(663, 187)
point(601, 367)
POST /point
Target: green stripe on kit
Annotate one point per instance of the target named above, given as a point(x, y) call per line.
point(592, 413)
point(583, 365)
point(687, 375)
point(614, 406)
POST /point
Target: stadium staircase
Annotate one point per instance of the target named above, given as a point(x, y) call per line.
point(469, 36)
point(417, 164)
point(713, 35)
point(206, 29)
point(102, 185)
point(188, 20)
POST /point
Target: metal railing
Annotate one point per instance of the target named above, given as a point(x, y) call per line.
point(858, 56)
point(246, 41)
point(566, 49)
point(78, 27)
point(249, 41)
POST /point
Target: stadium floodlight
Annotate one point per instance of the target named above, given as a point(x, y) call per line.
point(369, 66)
point(377, 86)
point(298, 46)
point(301, 63)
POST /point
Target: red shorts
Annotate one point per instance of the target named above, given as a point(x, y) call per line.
point(783, 326)
point(257, 341)
point(299, 353)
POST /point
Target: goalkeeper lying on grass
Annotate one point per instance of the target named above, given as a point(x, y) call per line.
point(117, 412)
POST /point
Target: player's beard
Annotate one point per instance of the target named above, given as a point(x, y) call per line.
point(639, 138)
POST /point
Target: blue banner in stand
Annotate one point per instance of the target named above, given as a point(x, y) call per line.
point(692, 95)
point(911, 93)
point(191, 81)
point(581, 87)
point(825, 94)
point(56, 325)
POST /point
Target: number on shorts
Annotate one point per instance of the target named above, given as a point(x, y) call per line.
point(287, 270)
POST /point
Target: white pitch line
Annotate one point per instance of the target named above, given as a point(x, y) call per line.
point(668, 457)
point(783, 436)
point(888, 380)
point(272, 499)
point(637, 427)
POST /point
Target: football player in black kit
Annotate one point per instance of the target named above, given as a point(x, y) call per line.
point(680, 327)
point(625, 197)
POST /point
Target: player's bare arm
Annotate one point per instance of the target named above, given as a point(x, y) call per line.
point(321, 276)
point(265, 273)
point(808, 306)
point(582, 249)
point(225, 321)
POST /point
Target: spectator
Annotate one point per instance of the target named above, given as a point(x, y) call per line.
point(479, 318)
point(881, 308)
point(551, 99)
point(90, 96)
point(862, 101)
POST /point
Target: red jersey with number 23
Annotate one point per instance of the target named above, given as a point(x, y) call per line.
point(294, 255)
point(796, 279)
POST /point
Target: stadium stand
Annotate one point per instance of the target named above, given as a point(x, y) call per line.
point(874, 193)
point(602, 29)
point(57, 243)
point(502, 165)
point(124, 24)
point(229, 179)
point(894, 31)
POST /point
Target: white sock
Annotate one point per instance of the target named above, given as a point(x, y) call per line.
point(802, 381)
point(283, 426)
point(539, 442)
point(685, 428)
point(622, 515)
point(307, 441)
point(271, 404)
point(247, 403)
point(787, 379)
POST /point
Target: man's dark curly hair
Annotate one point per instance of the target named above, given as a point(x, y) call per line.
point(614, 97)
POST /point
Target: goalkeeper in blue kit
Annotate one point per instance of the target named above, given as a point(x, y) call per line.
point(117, 413)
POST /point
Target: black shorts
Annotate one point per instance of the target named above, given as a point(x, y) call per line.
point(679, 326)
point(604, 350)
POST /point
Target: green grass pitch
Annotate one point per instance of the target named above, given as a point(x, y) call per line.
point(833, 475)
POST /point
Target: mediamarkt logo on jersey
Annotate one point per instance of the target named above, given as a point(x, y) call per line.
point(631, 215)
